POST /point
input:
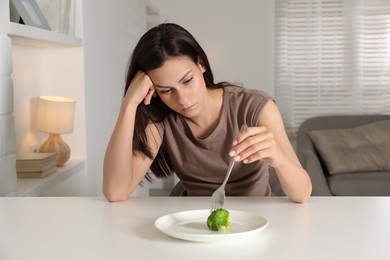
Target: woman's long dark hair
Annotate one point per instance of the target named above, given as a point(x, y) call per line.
point(153, 49)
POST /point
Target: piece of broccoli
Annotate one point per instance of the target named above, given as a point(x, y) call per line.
point(219, 220)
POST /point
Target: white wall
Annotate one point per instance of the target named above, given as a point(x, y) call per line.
point(110, 32)
point(238, 36)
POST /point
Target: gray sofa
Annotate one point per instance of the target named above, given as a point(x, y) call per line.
point(364, 182)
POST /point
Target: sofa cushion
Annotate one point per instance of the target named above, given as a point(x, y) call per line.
point(364, 148)
point(360, 184)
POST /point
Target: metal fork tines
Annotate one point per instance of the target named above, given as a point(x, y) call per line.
point(218, 197)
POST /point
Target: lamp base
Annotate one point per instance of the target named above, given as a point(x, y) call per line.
point(55, 144)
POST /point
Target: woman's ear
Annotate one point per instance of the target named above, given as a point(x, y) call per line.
point(201, 65)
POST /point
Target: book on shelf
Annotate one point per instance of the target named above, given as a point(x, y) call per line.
point(35, 165)
point(37, 174)
point(35, 158)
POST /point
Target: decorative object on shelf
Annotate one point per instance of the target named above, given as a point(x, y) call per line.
point(30, 13)
point(35, 165)
point(55, 115)
point(60, 14)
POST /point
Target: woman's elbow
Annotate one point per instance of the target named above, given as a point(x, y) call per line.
point(303, 196)
point(115, 196)
point(301, 200)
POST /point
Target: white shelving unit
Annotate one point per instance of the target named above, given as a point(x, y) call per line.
point(36, 37)
point(91, 64)
point(42, 62)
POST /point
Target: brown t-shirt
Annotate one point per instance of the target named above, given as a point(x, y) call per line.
point(201, 164)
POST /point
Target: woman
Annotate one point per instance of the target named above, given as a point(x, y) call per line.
point(174, 118)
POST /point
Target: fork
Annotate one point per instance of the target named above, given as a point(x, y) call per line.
point(218, 197)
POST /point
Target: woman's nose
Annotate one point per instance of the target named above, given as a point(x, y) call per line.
point(181, 97)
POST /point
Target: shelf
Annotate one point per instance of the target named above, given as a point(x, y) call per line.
point(36, 186)
point(36, 37)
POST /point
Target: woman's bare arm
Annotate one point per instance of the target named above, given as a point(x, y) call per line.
point(123, 169)
point(269, 141)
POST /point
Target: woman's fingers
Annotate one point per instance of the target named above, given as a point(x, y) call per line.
point(254, 143)
point(149, 96)
point(262, 150)
point(141, 88)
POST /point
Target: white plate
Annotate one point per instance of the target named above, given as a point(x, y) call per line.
point(191, 225)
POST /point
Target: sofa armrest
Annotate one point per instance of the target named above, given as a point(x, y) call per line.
point(312, 165)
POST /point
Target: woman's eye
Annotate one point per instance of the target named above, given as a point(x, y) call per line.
point(187, 81)
point(165, 91)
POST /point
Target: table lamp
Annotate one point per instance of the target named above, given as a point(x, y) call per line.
point(55, 115)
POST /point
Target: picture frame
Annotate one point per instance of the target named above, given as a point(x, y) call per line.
point(30, 13)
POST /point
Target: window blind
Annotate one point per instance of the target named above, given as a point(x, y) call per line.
point(332, 57)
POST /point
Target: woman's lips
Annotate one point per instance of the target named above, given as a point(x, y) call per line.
point(189, 108)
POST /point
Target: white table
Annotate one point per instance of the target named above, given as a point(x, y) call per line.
point(92, 228)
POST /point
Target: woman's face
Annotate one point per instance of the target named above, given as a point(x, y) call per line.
point(180, 84)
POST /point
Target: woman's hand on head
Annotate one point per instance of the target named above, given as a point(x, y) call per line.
point(257, 143)
point(141, 89)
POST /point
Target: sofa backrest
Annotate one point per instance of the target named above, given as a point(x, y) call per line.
point(331, 122)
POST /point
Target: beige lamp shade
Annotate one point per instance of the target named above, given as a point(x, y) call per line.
point(55, 114)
